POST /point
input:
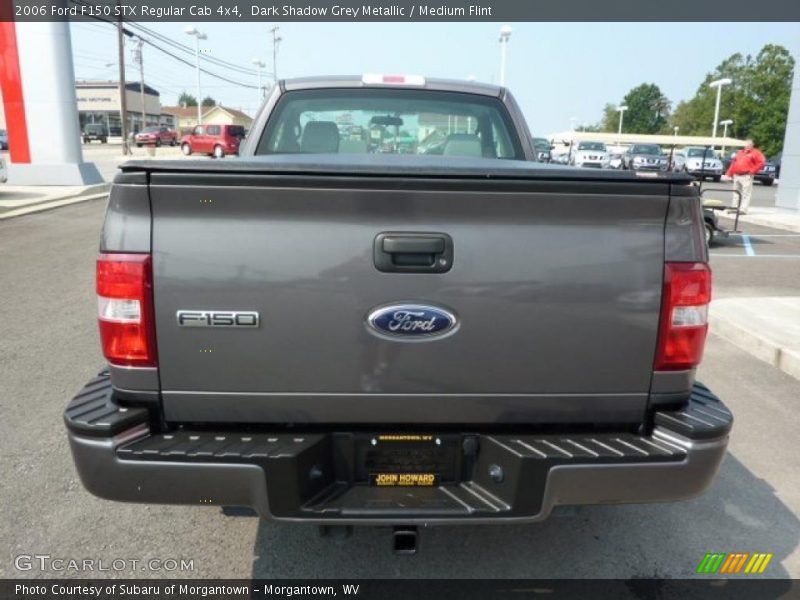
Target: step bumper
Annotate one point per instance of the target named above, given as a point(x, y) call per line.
point(325, 477)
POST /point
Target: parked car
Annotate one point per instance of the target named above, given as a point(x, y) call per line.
point(216, 140)
point(156, 136)
point(562, 158)
point(615, 160)
point(645, 157)
point(678, 161)
point(776, 160)
point(768, 173)
point(727, 159)
point(3, 171)
point(3, 139)
point(95, 132)
point(702, 163)
point(398, 339)
point(590, 154)
point(542, 148)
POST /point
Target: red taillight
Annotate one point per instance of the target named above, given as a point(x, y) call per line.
point(125, 309)
point(684, 316)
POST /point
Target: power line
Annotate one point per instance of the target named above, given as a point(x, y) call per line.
point(130, 33)
point(207, 72)
point(184, 48)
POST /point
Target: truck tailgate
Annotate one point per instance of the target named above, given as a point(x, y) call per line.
point(556, 287)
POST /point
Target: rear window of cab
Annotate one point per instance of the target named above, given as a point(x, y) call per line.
point(393, 121)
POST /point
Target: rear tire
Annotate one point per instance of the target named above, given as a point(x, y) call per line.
point(219, 152)
point(709, 231)
point(158, 143)
point(186, 149)
point(173, 142)
point(717, 178)
point(767, 183)
point(138, 145)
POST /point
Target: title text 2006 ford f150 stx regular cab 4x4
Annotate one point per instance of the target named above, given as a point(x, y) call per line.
point(385, 313)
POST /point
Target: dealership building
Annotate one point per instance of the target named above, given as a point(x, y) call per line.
point(100, 102)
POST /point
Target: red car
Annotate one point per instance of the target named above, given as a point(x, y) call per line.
point(156, 136)
point(216, 140)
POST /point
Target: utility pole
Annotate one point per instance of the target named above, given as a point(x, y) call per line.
point(123, 92)
point(138, 57)
point(276, 39)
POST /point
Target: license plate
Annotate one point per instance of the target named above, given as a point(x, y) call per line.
point(406, 460)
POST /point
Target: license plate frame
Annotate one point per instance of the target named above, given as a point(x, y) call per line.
point(407, 459)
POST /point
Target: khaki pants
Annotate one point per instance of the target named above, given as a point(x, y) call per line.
point(744, 185)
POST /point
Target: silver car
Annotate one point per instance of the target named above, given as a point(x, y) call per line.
point(3, 174)
point(590, 154)
point(702, 163)
point(3, 139)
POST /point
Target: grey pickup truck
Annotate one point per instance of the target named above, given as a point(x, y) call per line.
point(387, 312)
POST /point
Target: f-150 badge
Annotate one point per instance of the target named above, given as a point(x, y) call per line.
point(217, 318)
point(411, 322)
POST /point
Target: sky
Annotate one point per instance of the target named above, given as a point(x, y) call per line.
point(557, 71)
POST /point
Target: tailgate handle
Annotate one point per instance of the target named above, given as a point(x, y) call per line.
point(406, 252)
point(413, 245)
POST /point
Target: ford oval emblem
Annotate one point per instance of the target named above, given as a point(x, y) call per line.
point(412, 322)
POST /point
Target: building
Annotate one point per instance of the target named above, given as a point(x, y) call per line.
point(185, 117)
point(99, 102)
point(788, 197)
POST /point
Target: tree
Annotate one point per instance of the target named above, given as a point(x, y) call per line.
point(757, 101)
point(186, 99)
point(648, 110)
point(208, 101)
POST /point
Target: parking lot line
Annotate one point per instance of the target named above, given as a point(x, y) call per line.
point(748, 248)
point(724, 255)
point(766, 235)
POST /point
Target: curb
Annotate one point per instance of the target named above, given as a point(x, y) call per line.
point(49, 205)
point(756, 345)
point(765, 221)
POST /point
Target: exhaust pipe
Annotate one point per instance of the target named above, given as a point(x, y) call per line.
point(404, 540)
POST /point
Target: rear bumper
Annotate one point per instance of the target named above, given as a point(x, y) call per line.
point(323, 477)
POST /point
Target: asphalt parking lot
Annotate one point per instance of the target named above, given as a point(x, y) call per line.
point(49, 348)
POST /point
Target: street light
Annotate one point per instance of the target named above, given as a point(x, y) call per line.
point(198, 35)
point(621, 110)
point(276, 39)
point(260, 64)
point(505, 34)
point(725, 124)
point(675, 131)
point(718, 84)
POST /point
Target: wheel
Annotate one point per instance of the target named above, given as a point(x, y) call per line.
point(768, 182)
point(104, 141)
point(158, 143)
point(218, 151)
point(709, 234)
point(186, 149)
point(138, 145)
point(173, 142)
point(717, 178)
